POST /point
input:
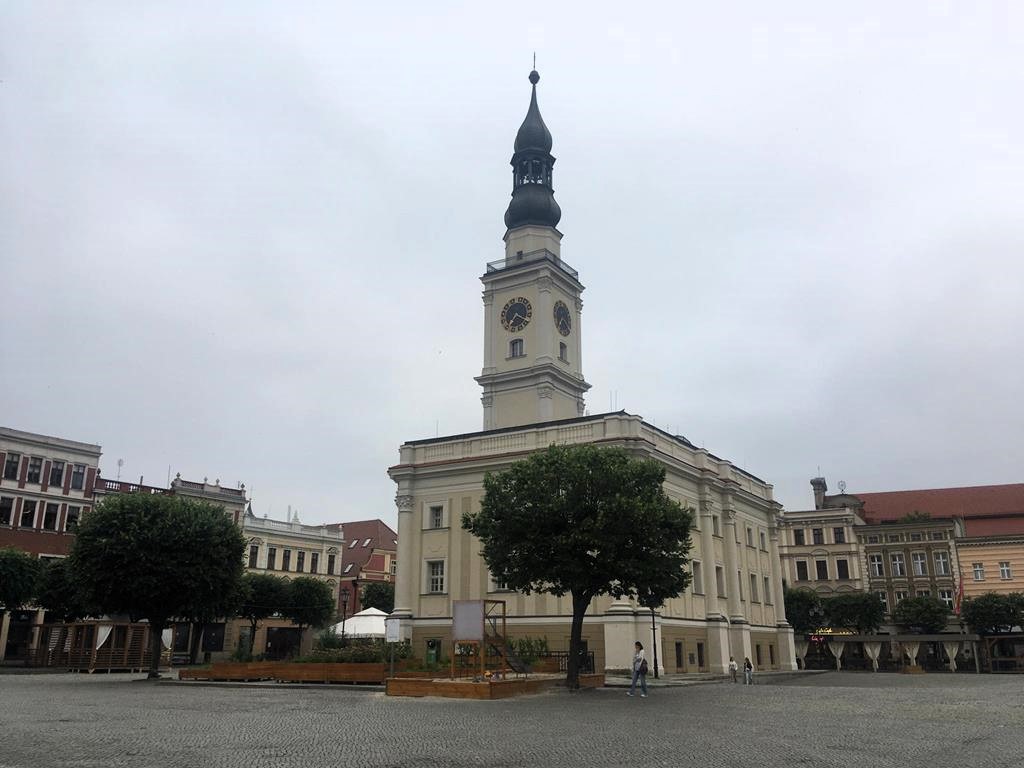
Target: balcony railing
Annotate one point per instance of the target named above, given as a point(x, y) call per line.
point(531, 257)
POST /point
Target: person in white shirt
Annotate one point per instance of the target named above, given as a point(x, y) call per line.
point(639, 671)
point(733, 668)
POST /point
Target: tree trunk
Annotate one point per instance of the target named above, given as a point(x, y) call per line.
point(252, 637)
point(579, 608)
point(156, 629)
point(194, 639)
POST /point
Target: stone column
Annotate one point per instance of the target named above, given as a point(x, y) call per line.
point(784, 632)
point(739, 627)
point(405, 579)
point(717, 646)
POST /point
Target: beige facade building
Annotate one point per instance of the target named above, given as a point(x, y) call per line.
point(820, 551)
point(993, 563)
point(533, 389)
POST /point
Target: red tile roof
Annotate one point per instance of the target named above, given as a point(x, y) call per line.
point(971, 502)
point(378, 533)
point(994, 526)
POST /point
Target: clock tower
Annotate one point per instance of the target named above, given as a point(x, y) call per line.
point(533, 369)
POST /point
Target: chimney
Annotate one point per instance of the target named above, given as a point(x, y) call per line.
point(819, 486)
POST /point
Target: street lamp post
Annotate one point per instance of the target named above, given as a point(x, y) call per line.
point(654, 642)
point(344, 609)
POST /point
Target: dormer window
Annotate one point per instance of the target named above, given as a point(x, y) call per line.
point(516, 348)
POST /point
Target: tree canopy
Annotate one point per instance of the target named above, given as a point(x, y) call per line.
point(860, 612)
point(804, 610)
point(583, 520)
point(156, 557)
point(58, 592)
point(992, 613)
point(379, 595)
point(19, 572)
point(262, 595)
point(922, 615)
point(310, 602)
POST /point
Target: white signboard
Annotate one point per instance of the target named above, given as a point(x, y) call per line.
point(391, 630)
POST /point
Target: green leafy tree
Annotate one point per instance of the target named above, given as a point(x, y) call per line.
point(58, 593)
point(156, 558)
point(922, 615)
point(203, 612)
point(262, 596)
point(379, 595)
point(310, 603)
point(583, 520)
point(993, 613)
point(19, 572)
point(860, 612)
point(804, 610)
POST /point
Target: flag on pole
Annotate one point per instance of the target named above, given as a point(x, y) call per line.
point(958, 600)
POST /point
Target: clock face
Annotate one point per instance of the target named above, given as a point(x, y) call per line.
point(563, 319)
point(516, 314)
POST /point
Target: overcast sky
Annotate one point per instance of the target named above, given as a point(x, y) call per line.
point(244, 240)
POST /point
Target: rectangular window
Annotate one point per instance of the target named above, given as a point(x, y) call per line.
point(715, 526)
point(818, 535)
point(916, 536)
point(435, 576)
point(50, 517)
point(979, 571)
point(28, 514)
point(872, 539)
point(300, 562)
point(515, 348)
point(6, 510)
point(698, 578)
point(764, 543)
point(919, 562)
point(254, 551)
point(272, 559)
point(923, 593)
point(78, 477)
point(937, 536)
point(394, 567)
point(437, 517)
point(899, 595)
point(739, 584)
point(946, 596)
point(942, 564)
point(330, 564)
point(314, 562)
point(286, 560)
point(801, 570)
point(894, 537)
point(842, 569)
point(767, 591)
point(839, 535)
point(757, 655)
point(875, 563)
point(563, 352)
point(74, 515)
point(366, 542)
point(720, 580)
point(883, 598)
point(35, 469)
point(899, 567)
point(348, 568)
point(821, 570)
point(750, 536)
point(1004, 570)
point(798, 536)
point(57, 473)
point(11, 466)
point(753, 588)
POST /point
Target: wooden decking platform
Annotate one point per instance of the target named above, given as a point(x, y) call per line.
point(497, 689)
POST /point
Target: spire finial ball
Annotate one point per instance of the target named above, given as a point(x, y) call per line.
point(534, 77)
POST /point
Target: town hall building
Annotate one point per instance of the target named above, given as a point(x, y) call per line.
point(533, 396)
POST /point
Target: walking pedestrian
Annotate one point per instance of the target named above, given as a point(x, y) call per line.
point(748, 671)
point(639, 671)
point(733, 668)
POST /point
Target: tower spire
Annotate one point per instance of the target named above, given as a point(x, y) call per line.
point(533, 197)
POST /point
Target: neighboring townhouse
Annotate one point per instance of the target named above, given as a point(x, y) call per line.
point(370, 554)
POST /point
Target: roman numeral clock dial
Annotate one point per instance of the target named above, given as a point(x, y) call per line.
point(516, 314)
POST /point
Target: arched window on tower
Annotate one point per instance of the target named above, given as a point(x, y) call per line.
point(516, 348)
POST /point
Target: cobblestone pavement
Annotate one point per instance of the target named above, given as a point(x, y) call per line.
point(834, 719)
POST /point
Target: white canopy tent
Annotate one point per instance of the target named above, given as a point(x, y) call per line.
point(368, 623)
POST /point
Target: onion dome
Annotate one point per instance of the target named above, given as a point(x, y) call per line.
point(533, 198)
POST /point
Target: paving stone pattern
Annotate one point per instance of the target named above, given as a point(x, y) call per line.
point(830, 720)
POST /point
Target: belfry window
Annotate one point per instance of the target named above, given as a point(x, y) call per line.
point(515, 348)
